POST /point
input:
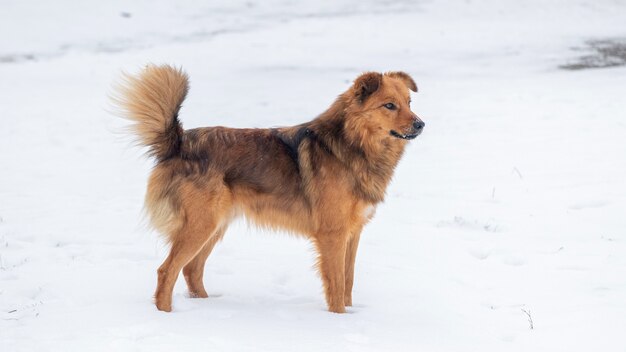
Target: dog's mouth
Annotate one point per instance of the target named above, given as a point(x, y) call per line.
point(405, 136)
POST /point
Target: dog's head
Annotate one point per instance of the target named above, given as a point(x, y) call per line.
point(379, 108)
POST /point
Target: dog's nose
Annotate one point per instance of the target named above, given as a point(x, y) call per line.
point(418, 125)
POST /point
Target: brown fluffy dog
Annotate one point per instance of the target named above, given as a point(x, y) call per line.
point(322, 179)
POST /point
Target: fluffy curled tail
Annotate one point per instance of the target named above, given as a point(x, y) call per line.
point(152, 100)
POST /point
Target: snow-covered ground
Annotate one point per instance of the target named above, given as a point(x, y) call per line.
point(512, 201)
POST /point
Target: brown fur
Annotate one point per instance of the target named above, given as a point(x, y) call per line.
point(321, 179)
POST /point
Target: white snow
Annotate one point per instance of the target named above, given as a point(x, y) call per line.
point(513, 199)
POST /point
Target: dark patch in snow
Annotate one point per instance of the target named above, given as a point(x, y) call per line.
point(119, 45)
point(16, 58)
point(606, 53)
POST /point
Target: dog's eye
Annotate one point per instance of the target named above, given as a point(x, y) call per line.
point(390, 106)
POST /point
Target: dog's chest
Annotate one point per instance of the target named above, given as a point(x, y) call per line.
point(368, 212)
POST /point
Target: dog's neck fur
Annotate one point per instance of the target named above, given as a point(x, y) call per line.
point(371, 162)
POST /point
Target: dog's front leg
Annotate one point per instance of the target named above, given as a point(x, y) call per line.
point(331, 262)
point(353, 244)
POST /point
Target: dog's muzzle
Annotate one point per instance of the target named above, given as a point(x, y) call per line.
point(418, 127)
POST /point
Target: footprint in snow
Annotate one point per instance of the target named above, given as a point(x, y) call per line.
point(480, 253)
point(588, 204)
point(514, 261)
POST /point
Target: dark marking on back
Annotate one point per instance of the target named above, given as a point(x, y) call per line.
point(292, 143)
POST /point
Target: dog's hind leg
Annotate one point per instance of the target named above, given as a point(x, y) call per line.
point(331, 262)
point(204, 211)
point(194, 270)
point(188, 243)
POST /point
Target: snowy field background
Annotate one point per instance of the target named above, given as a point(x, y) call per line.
point(513, 199)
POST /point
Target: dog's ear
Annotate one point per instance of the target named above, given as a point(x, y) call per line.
point(404, 77)
point(366, 84)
